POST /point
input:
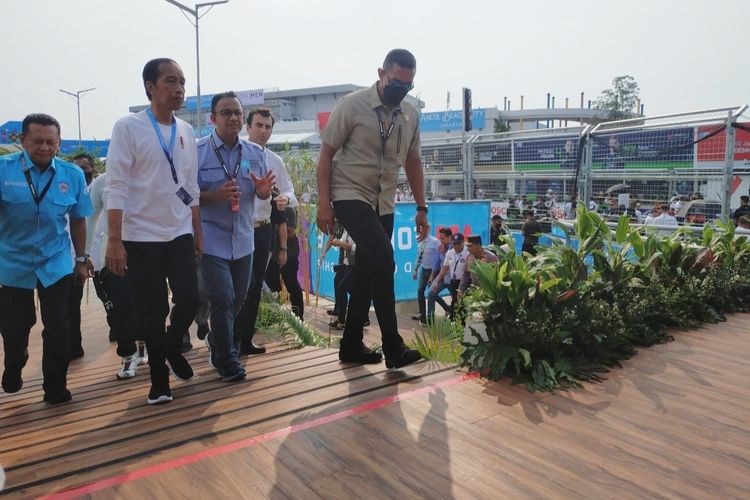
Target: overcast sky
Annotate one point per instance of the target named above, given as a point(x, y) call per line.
point(685, 54)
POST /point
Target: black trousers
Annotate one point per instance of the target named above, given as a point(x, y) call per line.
point(17, 316)
point(340, 271)
point(116, 293)
point(342, 289)
point(244, 324)
point(150, 266)
point(373, 274)
point(74, 315)
point(274, 275)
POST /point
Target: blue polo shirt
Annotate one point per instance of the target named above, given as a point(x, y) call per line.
point(226, 234)
point(34, 244)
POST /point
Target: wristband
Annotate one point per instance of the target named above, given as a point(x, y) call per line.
point(422, 208)
point(82, 259)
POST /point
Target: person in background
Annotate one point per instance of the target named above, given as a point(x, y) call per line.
point(453, 269)
point(743, 209)
point(343, 285)
point(39, 195)
point(115, 292)
point(530, 230)
point(744, 222)
point(285, 258)
point(667, 217)
point(259, 125)
point(427, 255)
point(496, 229)
point(86, 163)
point(476, 253)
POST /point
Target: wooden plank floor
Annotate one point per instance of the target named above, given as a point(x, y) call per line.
point(672, 423)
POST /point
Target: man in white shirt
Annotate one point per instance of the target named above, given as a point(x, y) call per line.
point(453, 267)
point(667, 218)
point(260, 123)
point(154, 220)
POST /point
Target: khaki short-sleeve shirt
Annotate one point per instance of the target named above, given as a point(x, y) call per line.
point(362, 170)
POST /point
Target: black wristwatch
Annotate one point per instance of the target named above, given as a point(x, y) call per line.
point(422, 208)
point(82, 259)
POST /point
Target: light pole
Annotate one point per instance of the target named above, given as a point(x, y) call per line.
point(77, 96)
point(196, 15)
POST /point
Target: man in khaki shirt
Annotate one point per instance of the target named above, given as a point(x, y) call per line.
point(369, 136)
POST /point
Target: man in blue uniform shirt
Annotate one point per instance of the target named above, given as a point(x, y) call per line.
point(231, 174)
point(37, 192)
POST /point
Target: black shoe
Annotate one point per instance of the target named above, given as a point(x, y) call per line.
point(250, 348)
point(179, 365)
point(416, 317)
point(185, 344)
point(12, 380)
point(203, 330)
point(360, 355)
point(332, 312)
point(336, 325)
point(405, 357)
point(76, 352)
point(159, 395)
point(61, 397)
point(234, 377)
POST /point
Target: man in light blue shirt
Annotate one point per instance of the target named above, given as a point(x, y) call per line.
point(427, 254)
point(37, 192)
point(231, 173)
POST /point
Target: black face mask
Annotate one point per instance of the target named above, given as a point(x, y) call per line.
point(394, 92)
point(89, 177)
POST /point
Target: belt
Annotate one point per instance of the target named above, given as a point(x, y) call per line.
point(260, 223)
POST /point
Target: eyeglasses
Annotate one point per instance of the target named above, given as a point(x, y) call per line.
point(408, 86)
point(227, 113)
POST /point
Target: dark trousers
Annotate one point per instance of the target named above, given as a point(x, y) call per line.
point(424, 277)
point(274, 275)
point(116, 293)
point(17, 316)
point(74, 316)
point(373, 274)
point(342, 289)
point(340, 271)
point(454, 297)
point(244, 324)
point(150, 266)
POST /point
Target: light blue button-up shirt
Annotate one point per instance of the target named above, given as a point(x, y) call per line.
point(226, 234)
point(428, 249)
point(34, 244)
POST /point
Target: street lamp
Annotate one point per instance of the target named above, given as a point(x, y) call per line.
point(196, 15)
point(77, 96)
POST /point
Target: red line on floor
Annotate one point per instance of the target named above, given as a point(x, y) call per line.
point(246, 443)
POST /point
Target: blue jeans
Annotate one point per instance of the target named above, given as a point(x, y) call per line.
point(226, 283)
point(424, 277)
point(433, 297)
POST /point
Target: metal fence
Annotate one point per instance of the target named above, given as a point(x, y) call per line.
point(686, 163)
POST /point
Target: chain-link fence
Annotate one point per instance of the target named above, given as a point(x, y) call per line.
point(691, 166)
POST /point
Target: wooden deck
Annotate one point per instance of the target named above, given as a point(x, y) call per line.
point(672, 423)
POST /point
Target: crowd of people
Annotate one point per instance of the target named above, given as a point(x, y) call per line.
point(177, 228)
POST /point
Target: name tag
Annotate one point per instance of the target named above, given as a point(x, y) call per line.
point(184, 196)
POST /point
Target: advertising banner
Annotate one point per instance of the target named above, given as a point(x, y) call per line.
point(672, 148)
point(546, 154)
point(467, 217)
point(442, 121)
point(713, 148)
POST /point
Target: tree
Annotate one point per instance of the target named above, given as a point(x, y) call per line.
point(501, 126)
point(621, 99)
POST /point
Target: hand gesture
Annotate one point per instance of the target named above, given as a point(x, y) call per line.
point(325, 218)
point(264, 185)
point(230, 190)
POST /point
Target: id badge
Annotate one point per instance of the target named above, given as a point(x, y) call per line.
point(184, 196)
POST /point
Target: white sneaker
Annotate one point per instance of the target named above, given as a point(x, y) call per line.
point(129, 365)
point(141, 352)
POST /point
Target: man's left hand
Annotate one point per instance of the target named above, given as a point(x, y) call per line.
point(264, 185)
point(423, 227)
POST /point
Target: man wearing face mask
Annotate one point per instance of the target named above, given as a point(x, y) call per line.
point(369, 136)
point(86, 163)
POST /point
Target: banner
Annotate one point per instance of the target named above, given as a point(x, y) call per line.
point(467, 217)
point(441, 121)
point(671, 148)
point(713, 148)
point(546, 154)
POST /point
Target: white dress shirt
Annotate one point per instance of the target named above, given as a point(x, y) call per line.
point(274, 163)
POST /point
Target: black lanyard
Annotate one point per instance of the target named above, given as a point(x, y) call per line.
point(384, 135)
point(221, 160)
point(37, 197)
